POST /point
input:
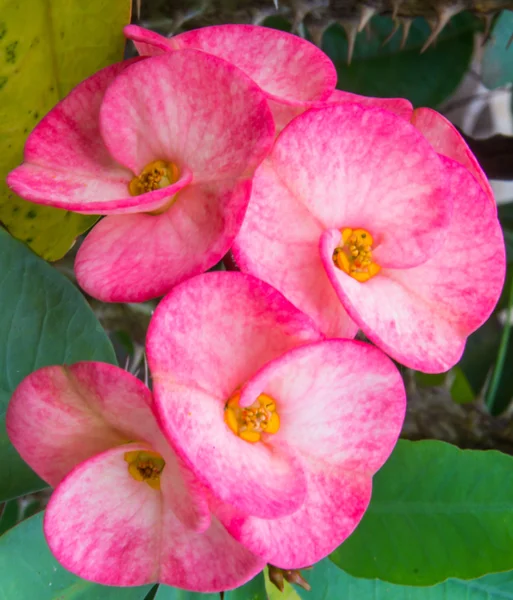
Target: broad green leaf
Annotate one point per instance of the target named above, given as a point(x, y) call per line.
point(498, 58)
point(436, 512)
point(9, 516)
point(44, 320)
point(330, 583)
point(30, 572)
point(425, 79)
point(253, 590)
point(46, 48)
point(461, 392)
point(166, 592)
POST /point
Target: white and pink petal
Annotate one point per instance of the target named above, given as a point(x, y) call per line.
point(400, 106)
point(278, 243)
point(191, 109)
point(446, 140)
point(389, 181)
point(62, 415)
point(66, 163)
point(336, 502)
point(291, 71)
point(422, 316)
point(214, 331)
point(132, 258)
point(341, 403)
point(106, 527)
point(267, 480)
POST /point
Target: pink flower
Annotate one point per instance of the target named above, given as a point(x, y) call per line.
point(293, 73)
point(360, 223)
point(125, 510)
point(447, 141)
point(166, 147)
point(284, 428)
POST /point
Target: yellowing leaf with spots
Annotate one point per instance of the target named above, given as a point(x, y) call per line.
point(46, 48)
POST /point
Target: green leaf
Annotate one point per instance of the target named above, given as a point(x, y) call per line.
point(9, 516)
point(425, 79)
point(480, 353)
point(253, 590)
point(166, 592)
point(29, 571)
point(330, 583)
point(497, 61)
point(46, 48)
point(461, 392)
point(436, 512)
point(44, 320)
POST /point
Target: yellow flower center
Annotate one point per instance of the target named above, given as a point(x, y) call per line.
point(156, 175)
point(144, 465)
point(354, 255)
point(251, 422)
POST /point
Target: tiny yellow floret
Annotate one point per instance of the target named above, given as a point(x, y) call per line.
point(354, 255)
point(145, 465)
point(155, 175)
point(251, 422)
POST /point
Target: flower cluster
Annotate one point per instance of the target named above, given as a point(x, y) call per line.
point(266, 420)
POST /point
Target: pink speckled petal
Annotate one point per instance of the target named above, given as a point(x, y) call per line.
point(399, 106)
point(422, 316)
point(283, 65)
point(60, 416)
point(340, 402)
point(132, 258)
point(389, 181)
point(446, 140)
point(216, 330)
point(192, 109)
point(147, 42)
point(106, 527)
point(84, 194)
point(66, 163)
point(278, 243)
point(335, 504)
point(261, 479)
point(290, 70)
point(341, 405)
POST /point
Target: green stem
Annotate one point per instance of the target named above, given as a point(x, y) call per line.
point(501, 355)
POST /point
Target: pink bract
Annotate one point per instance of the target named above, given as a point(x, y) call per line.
point(436, 235)
point(74, 426)
point(446, 140)
point(295, 495)
point(187, 108)
point(400, 106)
point(292, 72)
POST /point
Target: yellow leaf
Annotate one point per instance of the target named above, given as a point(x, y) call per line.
point(46, 48)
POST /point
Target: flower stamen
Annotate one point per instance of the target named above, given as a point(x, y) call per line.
point(155, 175)
point(251, 422)
point(145, 465)
point(354, 255)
